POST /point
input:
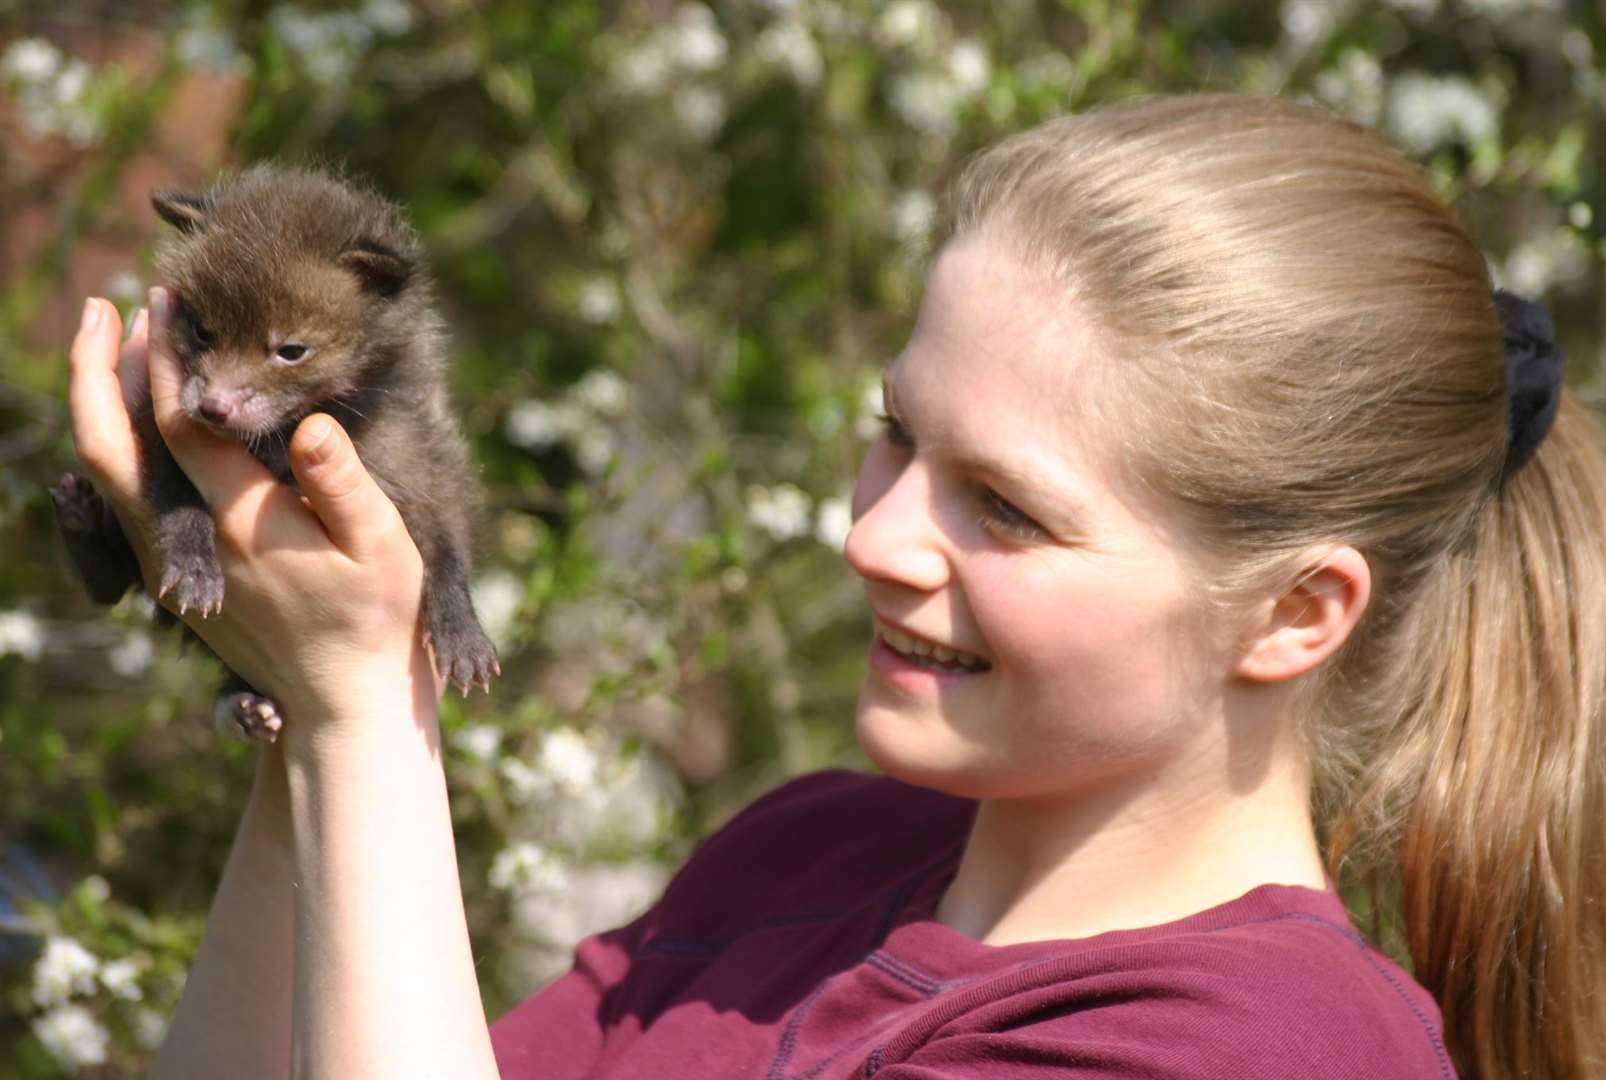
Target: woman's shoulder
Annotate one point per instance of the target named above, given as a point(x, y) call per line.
point(818, 843)
point(1275, 983)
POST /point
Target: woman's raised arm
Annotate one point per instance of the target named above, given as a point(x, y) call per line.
point(321, 614)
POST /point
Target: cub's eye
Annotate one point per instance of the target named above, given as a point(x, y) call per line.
point(202, 337)
point(292, 352)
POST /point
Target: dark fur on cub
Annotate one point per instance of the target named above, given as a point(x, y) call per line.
point(296, 292)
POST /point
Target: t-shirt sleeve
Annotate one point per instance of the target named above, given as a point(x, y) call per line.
point(561, 1031)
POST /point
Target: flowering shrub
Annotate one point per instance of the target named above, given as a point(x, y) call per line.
point(676, 242)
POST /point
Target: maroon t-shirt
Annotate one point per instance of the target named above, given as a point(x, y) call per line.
point(799, 942)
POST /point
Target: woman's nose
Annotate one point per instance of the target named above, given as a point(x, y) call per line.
point(895, 536)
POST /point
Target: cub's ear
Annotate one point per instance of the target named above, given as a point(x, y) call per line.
point(381, 268)
point(185, 212)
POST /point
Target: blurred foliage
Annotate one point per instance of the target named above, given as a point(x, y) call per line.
point(675, 243)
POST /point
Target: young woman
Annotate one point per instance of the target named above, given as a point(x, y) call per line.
point(1228, 537)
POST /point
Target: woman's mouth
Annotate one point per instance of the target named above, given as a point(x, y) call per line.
point(928, 654)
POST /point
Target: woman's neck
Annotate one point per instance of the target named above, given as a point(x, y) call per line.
point(1129, 856)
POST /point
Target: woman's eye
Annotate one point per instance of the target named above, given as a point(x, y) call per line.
point(896, 433)
point(999, 513)
point(293, 351)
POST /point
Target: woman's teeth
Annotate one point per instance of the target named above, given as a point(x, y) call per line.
point(929, 654)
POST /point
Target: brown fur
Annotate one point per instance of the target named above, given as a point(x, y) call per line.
point(279, 258)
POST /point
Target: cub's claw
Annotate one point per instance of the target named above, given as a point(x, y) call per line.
point(195, 582)
point(465, 657)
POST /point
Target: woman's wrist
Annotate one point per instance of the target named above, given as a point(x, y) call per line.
point(361, 706)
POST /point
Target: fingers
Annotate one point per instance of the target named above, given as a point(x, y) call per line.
point(101, 427)
point(132, 369)
point(356, 514)
point(232, 482)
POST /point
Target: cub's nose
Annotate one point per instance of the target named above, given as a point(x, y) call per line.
point(217, 409)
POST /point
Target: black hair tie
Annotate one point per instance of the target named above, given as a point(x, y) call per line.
point(1534, 371)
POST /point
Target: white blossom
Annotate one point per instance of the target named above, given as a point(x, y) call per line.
point(782, 511)
point(479, 741)
point(644, 69)
point(603, 391)
point(696, 42)
point(1045, 69)
point(926, 101)
point(202, 43)
point(121, 978)
point(125, 285)
point(594, 898)
point(1542, 262)
point(789, 46)
point(833, 521)
point(595, 448)
point(909, 22)
point(969, 66)
point(150, 1028)
point(497, 595)
point(133, 655)
point(21, 633)
point(912, 215)
point(1309, 21)
point(526, 866)
point(389, 17)
point(1427, 111)
point(73, 1037)
point(328, 44)
point(599, 301)
point(533, 425)
point(64, 968)
point(51, 91)
point(1354, 85)
point(524, 784)
point(570, 760)
point(30, 60)
point(701, 109)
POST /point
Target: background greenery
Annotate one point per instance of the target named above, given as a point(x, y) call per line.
point(675, 242)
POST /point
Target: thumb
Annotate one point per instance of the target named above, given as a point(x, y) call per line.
point(354, 512)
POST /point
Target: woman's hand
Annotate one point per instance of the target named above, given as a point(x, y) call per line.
point(322, 589)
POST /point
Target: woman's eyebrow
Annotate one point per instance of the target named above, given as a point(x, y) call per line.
point(1070, 512)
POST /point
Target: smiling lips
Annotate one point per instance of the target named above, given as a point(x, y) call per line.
point(929, 653)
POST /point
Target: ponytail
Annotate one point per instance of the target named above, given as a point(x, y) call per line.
point(1311, 354)
point(1490, 784)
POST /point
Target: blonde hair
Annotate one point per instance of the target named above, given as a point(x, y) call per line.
point(1314, 357)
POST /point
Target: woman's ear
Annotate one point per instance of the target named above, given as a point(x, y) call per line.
point(1308, 622)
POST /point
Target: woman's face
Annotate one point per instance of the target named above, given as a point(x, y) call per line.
point(1066, 649)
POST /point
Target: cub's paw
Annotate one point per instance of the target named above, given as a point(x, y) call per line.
point(78, 505)
point(464, 656)
point(247, 717)
point(195, 580)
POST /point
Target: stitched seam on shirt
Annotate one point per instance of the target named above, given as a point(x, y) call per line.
point(926, 987)
point(794, 1023)
point(1350, 935)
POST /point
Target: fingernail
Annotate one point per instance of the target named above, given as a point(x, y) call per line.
point(91, 317)
point(157, 299)
point(136, 324)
